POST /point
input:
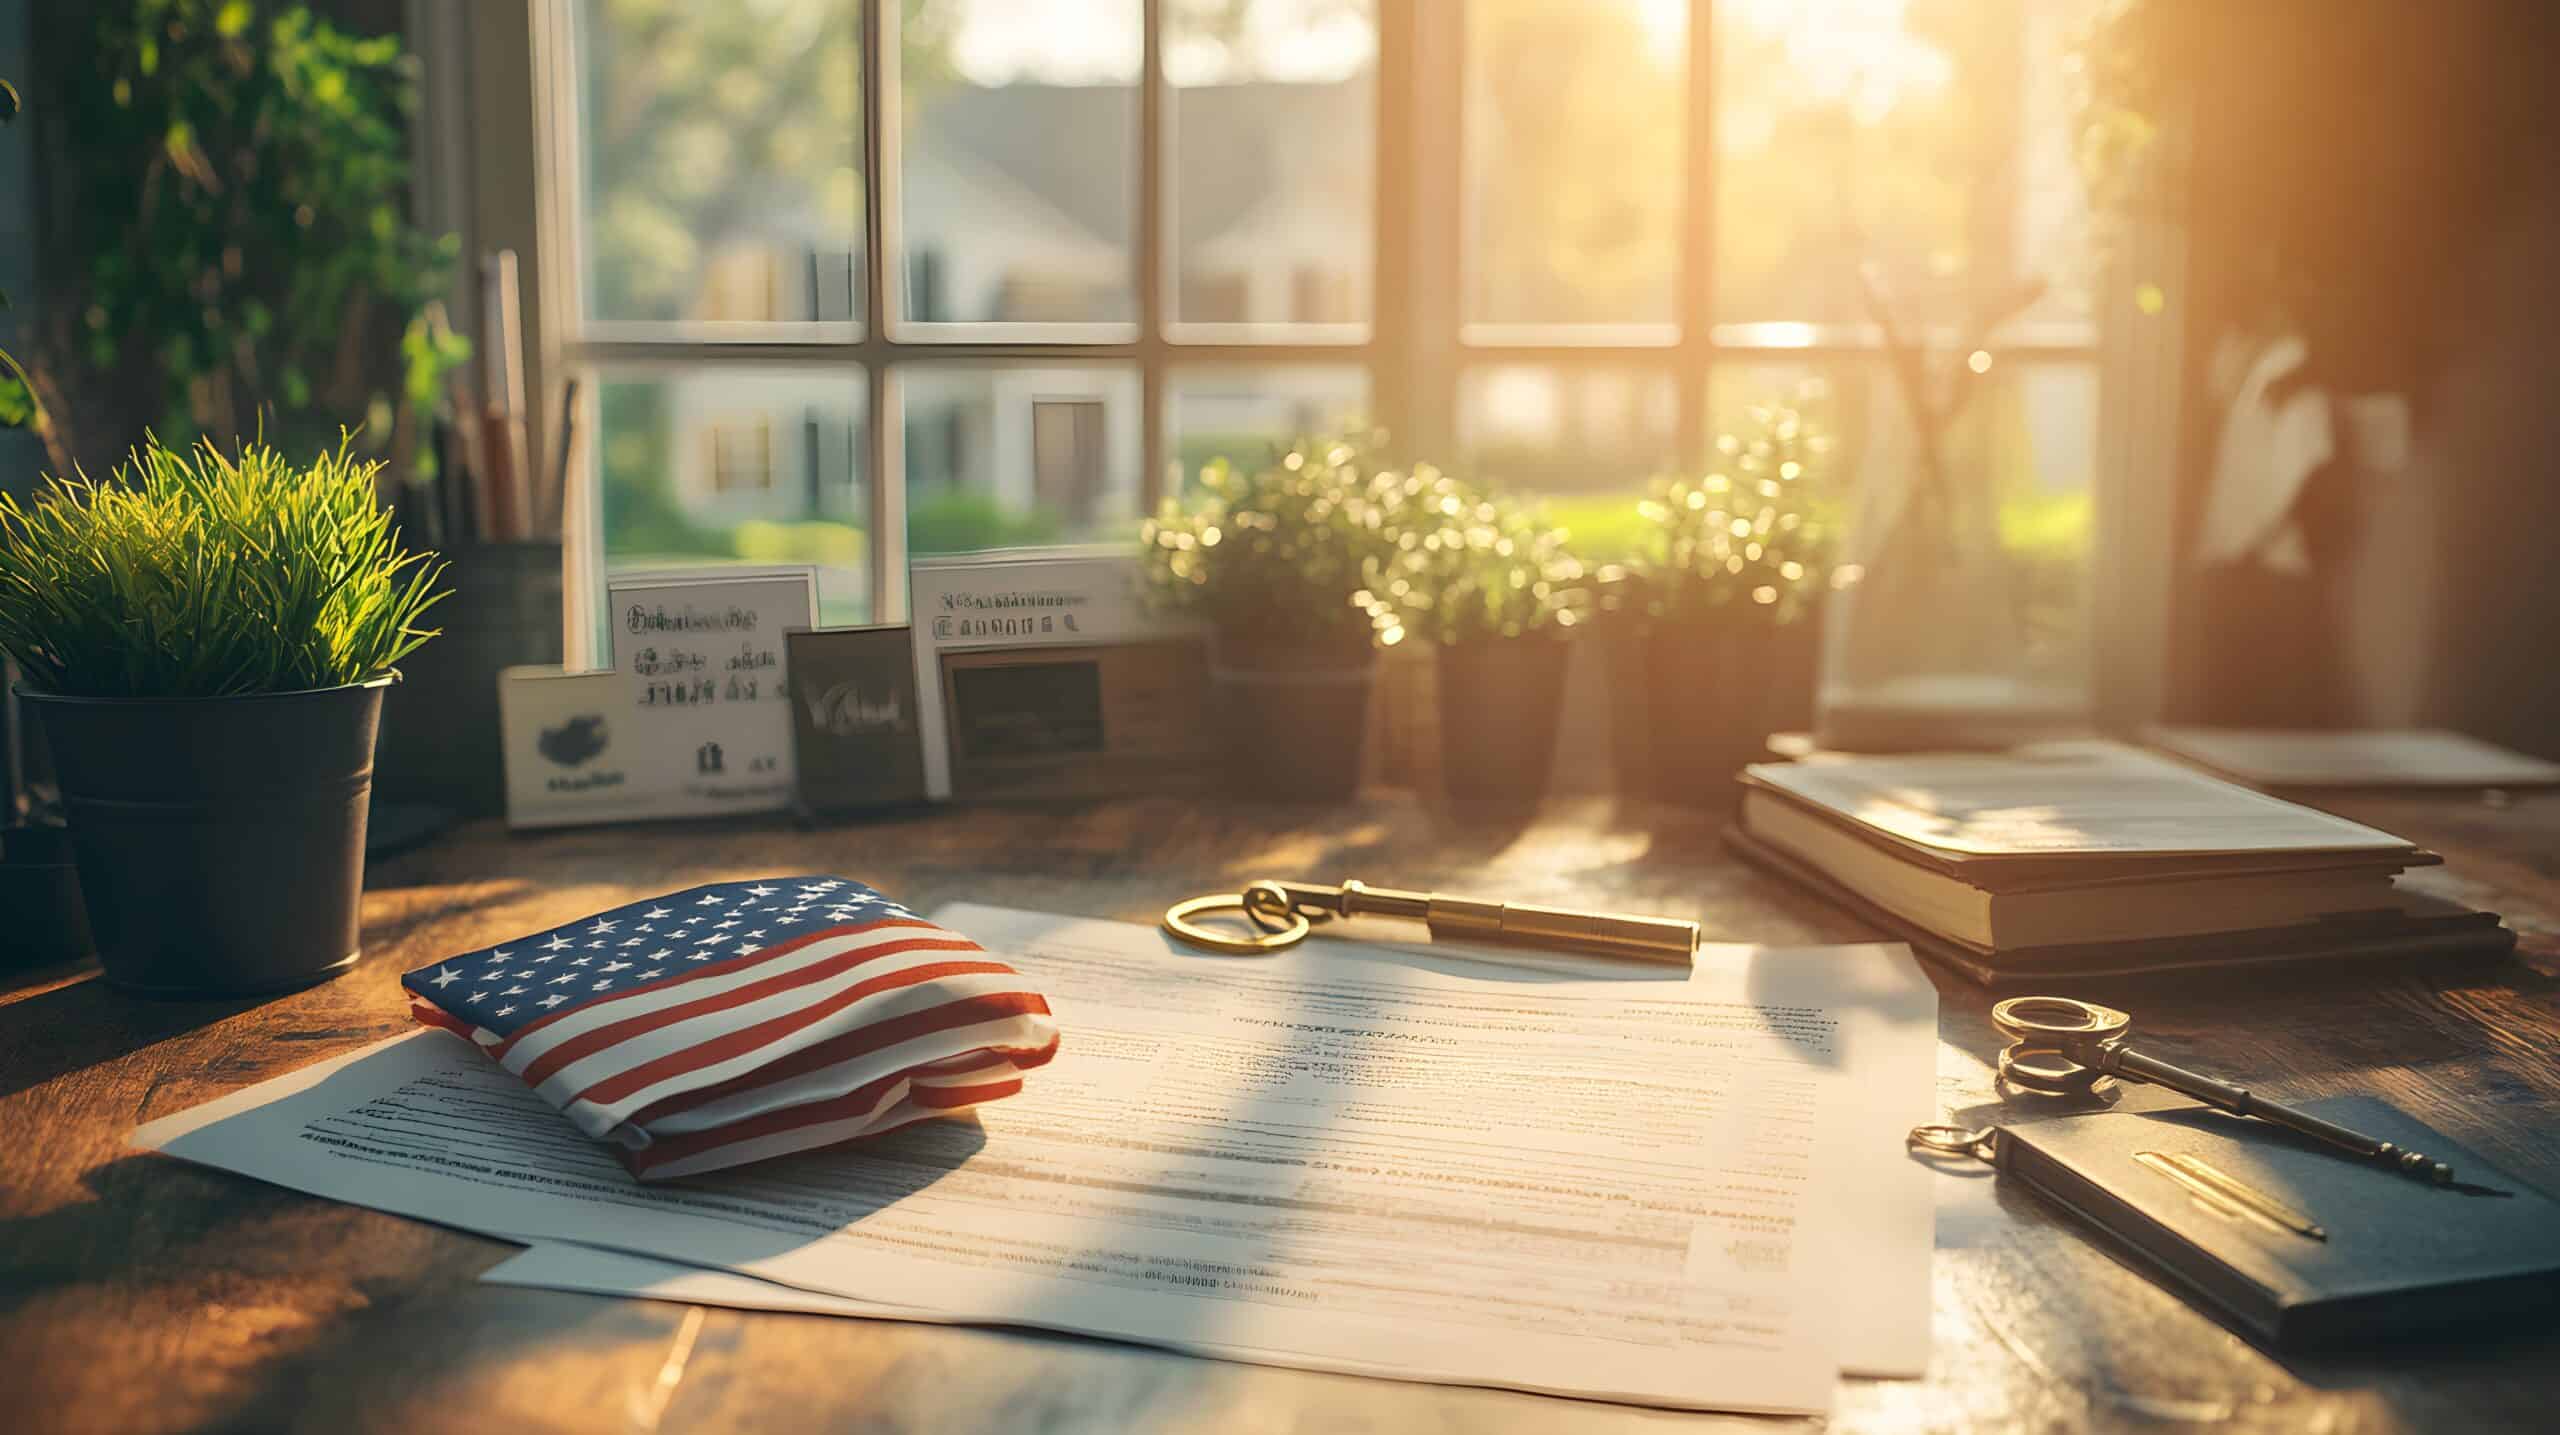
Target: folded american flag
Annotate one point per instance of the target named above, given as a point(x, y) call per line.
point(730, 1023)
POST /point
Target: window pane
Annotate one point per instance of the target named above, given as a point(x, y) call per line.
point(1019, 163)
point(737, 464)
point(2028, 438)
point(1586, 440)
point(1932, 138)
point(1576, 121)
point(1241, 414)
point(1272, 182)
point(1004, 455)
point(722, 152)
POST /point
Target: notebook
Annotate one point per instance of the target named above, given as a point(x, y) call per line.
point(2208, 1204)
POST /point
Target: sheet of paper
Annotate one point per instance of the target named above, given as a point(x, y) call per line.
point(2372, 757)
point(2063, 799)
point(593, 1270)
point(1628, 1189)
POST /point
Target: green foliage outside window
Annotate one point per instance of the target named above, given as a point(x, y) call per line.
point(232, 178)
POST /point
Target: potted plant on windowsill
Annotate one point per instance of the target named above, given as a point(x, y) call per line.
point(1287, 567)
point(206, 641)
point(1499, 592)
point(1710, 633)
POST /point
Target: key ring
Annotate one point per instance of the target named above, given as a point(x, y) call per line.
point(1277, 922)
point(2045, 1068)
point(2032, 1018)
point(1944, 1140)
point(2049, 1038)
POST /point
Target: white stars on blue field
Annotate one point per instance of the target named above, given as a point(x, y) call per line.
point(583, 978)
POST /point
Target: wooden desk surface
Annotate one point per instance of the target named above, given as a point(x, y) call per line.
point(141, 1294)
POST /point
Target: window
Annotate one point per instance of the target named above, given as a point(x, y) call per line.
point(860, 280)
point(742, 455)
point(708, 463)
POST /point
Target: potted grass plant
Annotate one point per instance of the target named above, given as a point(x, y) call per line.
point(206, 640)
point(1498, 591)
point(1287, 564)
point(1711, 633)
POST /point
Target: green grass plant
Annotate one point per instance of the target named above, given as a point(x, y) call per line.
point(199, 573)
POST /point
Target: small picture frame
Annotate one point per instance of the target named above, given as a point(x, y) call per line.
point(857, 734)
point(564, 758)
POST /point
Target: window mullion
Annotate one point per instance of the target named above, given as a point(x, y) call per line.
point(1390, 349)
point(1697, 243)
point(1155, 137)
point(882, 453)
point(1433, 143)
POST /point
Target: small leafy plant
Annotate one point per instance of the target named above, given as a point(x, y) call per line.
point(205, 574)
point(1489, 567)
point(1301, 548)
point(1755, 534)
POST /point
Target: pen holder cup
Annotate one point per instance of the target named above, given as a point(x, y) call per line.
point(440, 740)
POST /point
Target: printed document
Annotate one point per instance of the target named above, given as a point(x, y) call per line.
point(1343, 1156)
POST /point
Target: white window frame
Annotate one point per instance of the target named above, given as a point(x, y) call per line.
point(1414, 349)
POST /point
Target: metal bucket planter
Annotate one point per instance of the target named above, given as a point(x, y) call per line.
point(220, 841)
point(1292, 716)
point(1499, 699)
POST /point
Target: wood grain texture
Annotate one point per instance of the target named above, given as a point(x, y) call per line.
point(141, 1294)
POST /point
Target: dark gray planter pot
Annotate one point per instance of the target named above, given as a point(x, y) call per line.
point(1292, 716)
point(1499, 699)
point(1693, 702)
point(220, 841)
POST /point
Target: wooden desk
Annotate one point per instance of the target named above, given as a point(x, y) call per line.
point(141, 1294)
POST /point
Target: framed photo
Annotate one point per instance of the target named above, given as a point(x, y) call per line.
point(558, 732)
point(1091, 720)
point(856, 731)
point(1044, 675)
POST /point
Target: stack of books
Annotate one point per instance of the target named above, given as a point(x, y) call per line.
point(2089, 859)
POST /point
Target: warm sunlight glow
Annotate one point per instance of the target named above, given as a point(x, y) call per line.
point(1055, 42)
point(1858, 52)
point(1666, 29)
